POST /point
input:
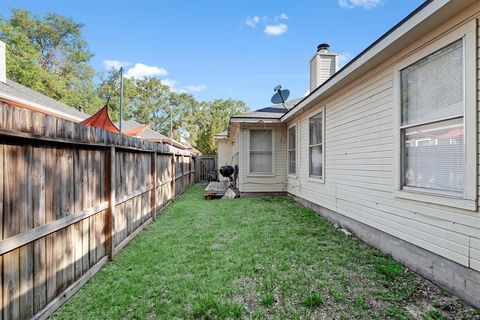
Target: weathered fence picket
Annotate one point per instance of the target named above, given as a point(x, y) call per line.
point(71, 197)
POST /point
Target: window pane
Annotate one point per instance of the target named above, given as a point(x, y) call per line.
point(292, 162)
point(260, 140)
point(315, 131)
point(291, 138)
point(316, 161)
point(433, 87)
point(434, 156)
point(261, 162)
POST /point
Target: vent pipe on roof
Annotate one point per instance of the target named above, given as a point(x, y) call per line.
point(322, 66)
point(3, 63)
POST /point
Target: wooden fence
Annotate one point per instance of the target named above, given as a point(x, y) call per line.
point(206, 165)
point(71, 197)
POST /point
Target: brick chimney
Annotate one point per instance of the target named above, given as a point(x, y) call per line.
point(3, 62)
point(322, 66)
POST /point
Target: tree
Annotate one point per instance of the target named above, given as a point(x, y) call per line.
point(109, 89)
point(214, 118)
point(49, 55)
point(150, 105)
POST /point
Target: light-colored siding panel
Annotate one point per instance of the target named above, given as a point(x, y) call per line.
point(258, 183)
point(360, 176)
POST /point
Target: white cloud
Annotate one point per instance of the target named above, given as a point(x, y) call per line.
point(271, 23)
point(252, 22)
point(115, 64)
point(282, 16)
point(141, 71)
point(344, 58)
point(198, 88)
point(169, 82)
point(276, 29)
point(367, 4)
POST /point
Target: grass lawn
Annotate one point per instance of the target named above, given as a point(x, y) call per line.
point(255, 258)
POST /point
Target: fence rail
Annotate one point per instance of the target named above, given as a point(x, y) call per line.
point(71, 197)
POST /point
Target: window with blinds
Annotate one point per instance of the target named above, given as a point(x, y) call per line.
point(292, 154)
point(261, 151)
point(316, 146)
point(432, 121)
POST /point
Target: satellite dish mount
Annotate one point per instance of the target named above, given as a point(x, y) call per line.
point(280, 96)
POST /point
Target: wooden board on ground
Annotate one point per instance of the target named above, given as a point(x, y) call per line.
point(215, 189)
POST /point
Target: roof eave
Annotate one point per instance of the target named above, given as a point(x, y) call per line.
point(378, 51)
point(33, 106)
point(254, 120)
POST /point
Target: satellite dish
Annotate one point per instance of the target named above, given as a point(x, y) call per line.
point(280, 95)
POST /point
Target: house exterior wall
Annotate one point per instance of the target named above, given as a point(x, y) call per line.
point(276, 182)
point(235, 154)
point(361, 171)
point(224, 153)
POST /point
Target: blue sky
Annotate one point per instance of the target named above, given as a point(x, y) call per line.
point(236, 49)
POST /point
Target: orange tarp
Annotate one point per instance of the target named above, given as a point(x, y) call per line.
point(102, 120)
point(135, 131)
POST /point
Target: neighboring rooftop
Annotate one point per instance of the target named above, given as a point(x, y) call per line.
point(272, 112)
point(147, 134)
point(20, 95)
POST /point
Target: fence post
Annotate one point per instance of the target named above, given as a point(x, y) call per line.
point(173, 176)
point(183, 174)
point(110, 196)
point(190, 173)
point(154, 182)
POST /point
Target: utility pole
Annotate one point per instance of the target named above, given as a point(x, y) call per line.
point(171, 125)
point(121, 98)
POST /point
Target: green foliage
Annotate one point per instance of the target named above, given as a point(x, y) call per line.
point(249, 258)
point(313, 300)
point(109, 89)
point(389, 268)
point(49, 55)
point(397, 313)
point(208, 307)
point(213, 118)
point(267, 300)
point(433, 315)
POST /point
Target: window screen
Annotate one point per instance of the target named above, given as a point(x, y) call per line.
point(432, 100)
point(316, 145)
point(292, 156)
point(261, 151)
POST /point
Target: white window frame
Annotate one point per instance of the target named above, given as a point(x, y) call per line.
point(261, 174)
point(468, 200)
point(310, 115)
point(295, 126)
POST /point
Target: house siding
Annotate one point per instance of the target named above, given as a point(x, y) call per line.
point(224, 153)
point(475, 241)
point(321, 68)
point(257, 183)
point(360, 167)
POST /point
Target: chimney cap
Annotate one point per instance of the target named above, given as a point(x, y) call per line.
point(323, 46)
